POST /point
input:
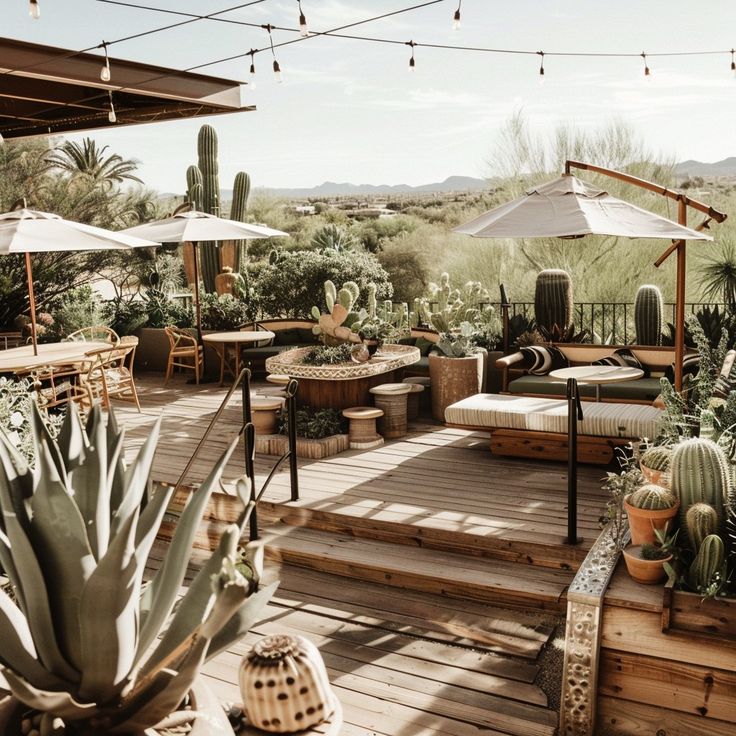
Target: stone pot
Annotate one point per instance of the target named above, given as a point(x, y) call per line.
point(210, 721)
point(454, 379)
point(646, 572)
point(643, 522)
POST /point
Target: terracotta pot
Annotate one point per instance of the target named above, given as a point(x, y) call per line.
point(454, 379)
point(647, 572)
point(643, 522)
point(657, 477)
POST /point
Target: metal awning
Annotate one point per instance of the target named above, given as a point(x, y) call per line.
point(46, 90)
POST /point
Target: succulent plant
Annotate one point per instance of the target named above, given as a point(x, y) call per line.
point(553, 304)
point(451, 307)
point(652, 497)
point(458, 344)
point(700, 474)
point(648, 315)
point(657, 458)
point(86, 642)
point(708, 563)
point(701, 520)
point(334, 326)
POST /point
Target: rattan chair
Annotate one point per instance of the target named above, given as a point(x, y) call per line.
point(109, 373)
point(56, 385)
point(98, 333)
point(185, 352)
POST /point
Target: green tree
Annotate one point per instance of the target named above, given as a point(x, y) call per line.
point(89, 160)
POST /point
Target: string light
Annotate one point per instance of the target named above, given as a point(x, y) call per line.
point(276, 67)
point(541, 66)
point(733, 60)
point(252, 82)
point(111, 116)
point(412, 62)
point(105, 71)
point(303, 30)
point(456, 17)
point(34, 9)
point(647, 73)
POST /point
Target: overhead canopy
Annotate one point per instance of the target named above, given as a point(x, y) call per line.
point(569, 207)
point(46, 90)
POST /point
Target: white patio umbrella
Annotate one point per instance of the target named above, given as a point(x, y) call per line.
point(194, 227)
point(28, 231)
point(569, 207)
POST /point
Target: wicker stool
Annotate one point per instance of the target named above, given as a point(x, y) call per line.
point(280, 379)
point(265, 413)
point(362, 432)
point(425, 399)
point(274, 392)
point(412, 400)
point(391, 397)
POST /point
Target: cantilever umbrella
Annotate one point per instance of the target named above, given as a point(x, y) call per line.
point(28, 231)
point(194, 227)
point(569, 207)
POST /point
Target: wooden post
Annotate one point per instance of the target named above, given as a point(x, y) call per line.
point(574, 414)
point(505, 316)
point(680, 298)
point(32, 298)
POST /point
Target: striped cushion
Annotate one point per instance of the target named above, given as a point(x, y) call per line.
point(625, 358)
point(497, 411)
point(544, 359)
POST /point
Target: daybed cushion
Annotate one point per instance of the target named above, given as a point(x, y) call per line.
point(643, 389)
point(499, 411)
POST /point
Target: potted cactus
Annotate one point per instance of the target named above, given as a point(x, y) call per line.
point(655, 465)
point(86, 648)
point(646, 562)
point(649, 508)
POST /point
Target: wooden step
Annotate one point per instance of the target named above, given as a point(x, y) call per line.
point(424, 570)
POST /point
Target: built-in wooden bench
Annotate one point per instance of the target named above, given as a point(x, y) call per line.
point(290, 333)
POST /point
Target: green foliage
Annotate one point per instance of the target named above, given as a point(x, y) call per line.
point(653, 552)
point(648, 309)
point(315, 424)
point(79, 308)
point(125, 315)
point(620, 486)
point(334, 237)
point(652, 497)
point(86, 642)
point(328, 355)
point(223, 312)
point(288, 284)
point(88, 160)
point(718, 275)
point(163, 311)
point(458, 344)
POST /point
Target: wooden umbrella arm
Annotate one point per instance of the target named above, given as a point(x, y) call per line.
point(672, 248)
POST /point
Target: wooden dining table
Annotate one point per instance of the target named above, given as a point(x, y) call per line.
point(230, 361)
point(18, 360)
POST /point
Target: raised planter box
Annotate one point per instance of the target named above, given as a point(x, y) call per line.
point(278, 444)
point(683, 611)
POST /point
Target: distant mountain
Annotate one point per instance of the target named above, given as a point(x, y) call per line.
point(345, 189)
point(727, 167)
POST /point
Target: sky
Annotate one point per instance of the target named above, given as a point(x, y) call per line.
point(350, 111)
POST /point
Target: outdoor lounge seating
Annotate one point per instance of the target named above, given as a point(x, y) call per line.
point(526, 426)
point(289, 334)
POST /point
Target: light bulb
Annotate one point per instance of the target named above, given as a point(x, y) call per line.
point(412, 65)
point(105, 72)
point(733, 60)
point(111, 116)
point(252, 82)
point(2, 140)
point(277, 71)
point(456, 20)
point(34, 9)
point(303, 30)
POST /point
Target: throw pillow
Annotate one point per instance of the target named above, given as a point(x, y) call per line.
point(544, 359)
point(624, 358)
point(690, 367)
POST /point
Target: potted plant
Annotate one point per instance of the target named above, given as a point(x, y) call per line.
point(649, 508)
point(655, 464)
point(646, 562)
point(86, 648)
point(456, 367)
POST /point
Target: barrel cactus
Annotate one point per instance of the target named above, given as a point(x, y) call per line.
point(84, 641)
point(700, 474)
point(709, 563)
point(553, 304)
point(648, 315)
point(652, 497)
point(657, 458)
point(701, 520)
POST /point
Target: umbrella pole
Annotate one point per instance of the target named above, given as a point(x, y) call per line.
point(680, 298)
point(32, 299)
point(197, 311)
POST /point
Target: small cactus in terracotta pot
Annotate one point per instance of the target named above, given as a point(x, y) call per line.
point(645, 563)
point(655, 465)
point(649, 508)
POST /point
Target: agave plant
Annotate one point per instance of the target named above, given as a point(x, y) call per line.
point(85, 640)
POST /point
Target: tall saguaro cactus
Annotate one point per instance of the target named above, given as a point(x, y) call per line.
point(648, 315)
point(553, 304)
point(203, 191)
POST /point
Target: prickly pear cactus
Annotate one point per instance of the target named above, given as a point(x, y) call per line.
point(648, 315)
point(652, 497)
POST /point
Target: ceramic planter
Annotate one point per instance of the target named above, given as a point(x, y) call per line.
point(656, 477)
point(643, 522)
point(647, 572)
point(454, 379)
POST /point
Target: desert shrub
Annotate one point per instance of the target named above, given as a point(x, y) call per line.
point(292, 282)
point(78, 308)
point(328, 354)
point(125, 315)
point(314, 424)
point(224, 312)
point(407, 268)
point(163, 311)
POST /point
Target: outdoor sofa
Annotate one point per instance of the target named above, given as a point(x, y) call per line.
point(289, 334)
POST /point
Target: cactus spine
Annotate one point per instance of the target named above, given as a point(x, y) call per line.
point(553, 304)
point(657, 458)
point(699, 474)
point(653, 498)
point(203, 191)
point(648, 315)
point(709, 562)
point(701, 520)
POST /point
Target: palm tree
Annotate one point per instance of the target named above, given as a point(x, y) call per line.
point(89, 160)
point(718, 275)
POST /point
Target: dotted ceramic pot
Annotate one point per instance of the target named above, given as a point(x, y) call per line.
point(284, 685)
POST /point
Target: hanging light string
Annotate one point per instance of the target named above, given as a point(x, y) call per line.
point(733, 60)
point(541, 63)
point(412, 62)
point(105, 73)
point(276, 67)
point(111, 116)
point(34, 9)
point(646, 66)
point(252, 71)
point(456, 17)
point(303, 29)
